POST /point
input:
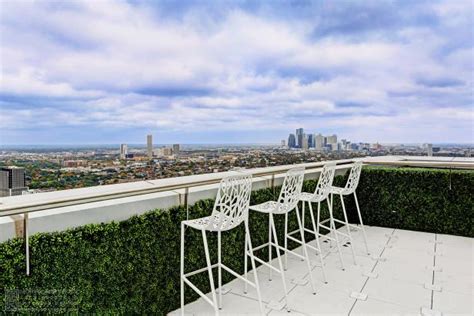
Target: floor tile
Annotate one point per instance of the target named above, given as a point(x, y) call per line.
point(326, 301)
point(231, 304)
point(397, 292)
point(457, 283)
point(452, 303)
point(376, 307)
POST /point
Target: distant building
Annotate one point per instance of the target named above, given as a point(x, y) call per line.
point(304, 142)
point(332, 139)
point(176, 149)
point(167, 151)
point(283, 143)
point(429, 149)
point(123, 151)
point(319, 142)
point(310, 141)
point(299, 137)
point(149, 146)
point(74, 163)
point(12, 181)
point(292, 141)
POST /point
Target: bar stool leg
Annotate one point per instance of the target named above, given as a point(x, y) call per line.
point(286, 240)
point(305, 250)
point(270, 247)
point(318, 244)
point(246, 285)
point(361, 223)
point(248, 246)
point(330, 208)
point(333, 229)
point(219, 266)
point(302, 221)
point(279, 259)
point(209, 270)
point(348, 228)
point(182, 269)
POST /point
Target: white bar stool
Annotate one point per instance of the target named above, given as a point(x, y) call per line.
point(350, 188)
point(320, 194)
point(287, 201)
point(230, 210)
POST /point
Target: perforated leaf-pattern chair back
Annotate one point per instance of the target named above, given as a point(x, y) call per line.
point(325, 181)
point(232, 202)
point(354, 176)
point(290, 190)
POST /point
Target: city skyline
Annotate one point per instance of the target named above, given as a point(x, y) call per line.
point(235, 72)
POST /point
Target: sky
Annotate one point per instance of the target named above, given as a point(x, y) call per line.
point(75, 72)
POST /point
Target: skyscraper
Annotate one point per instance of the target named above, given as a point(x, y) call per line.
point(292, 141)
point(332, 139)
point(12, 181)
point(299, 137)
point(305, 142)
point(429, 148)
point(149, 146)
point(310, 141)
point(175, 149)
point(123, 151)
point(319, 142)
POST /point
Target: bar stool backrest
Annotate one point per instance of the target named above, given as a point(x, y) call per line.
point(232, 202)
point(291, 189)
point(354, 176)
point(325, 181)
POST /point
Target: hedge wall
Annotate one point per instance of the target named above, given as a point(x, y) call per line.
point(133, 266)
point(430, 200)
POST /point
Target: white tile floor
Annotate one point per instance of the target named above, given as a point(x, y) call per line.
point(415, 271)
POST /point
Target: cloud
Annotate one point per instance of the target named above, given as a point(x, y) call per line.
point(192, 68)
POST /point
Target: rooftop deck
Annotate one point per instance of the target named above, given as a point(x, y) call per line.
point(407, 273)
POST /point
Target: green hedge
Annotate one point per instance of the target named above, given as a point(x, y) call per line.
point(133, 266)
point(430, 200)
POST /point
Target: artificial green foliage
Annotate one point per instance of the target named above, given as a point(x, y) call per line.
point(133, 266)
point(429, 200)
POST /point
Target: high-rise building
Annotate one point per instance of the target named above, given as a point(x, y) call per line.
point(12, 181)
point(123, 151)
point(310, 141)
point(283, 143)
point(149, 146)
point(429, 149)
point(292, 141)
point(175, 149)
point(299, 137)
point(305, 142)
point(331, 139)
point(319, 142)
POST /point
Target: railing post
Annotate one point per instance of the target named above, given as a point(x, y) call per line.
point(186, 204)
point(273, 184)
point(27, 242)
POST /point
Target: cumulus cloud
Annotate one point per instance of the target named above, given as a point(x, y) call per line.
point(375, 71)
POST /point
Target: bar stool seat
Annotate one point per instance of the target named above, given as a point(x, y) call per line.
point(309, 197)
point(271, 207)
point(338, 190)
point(214, 222)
